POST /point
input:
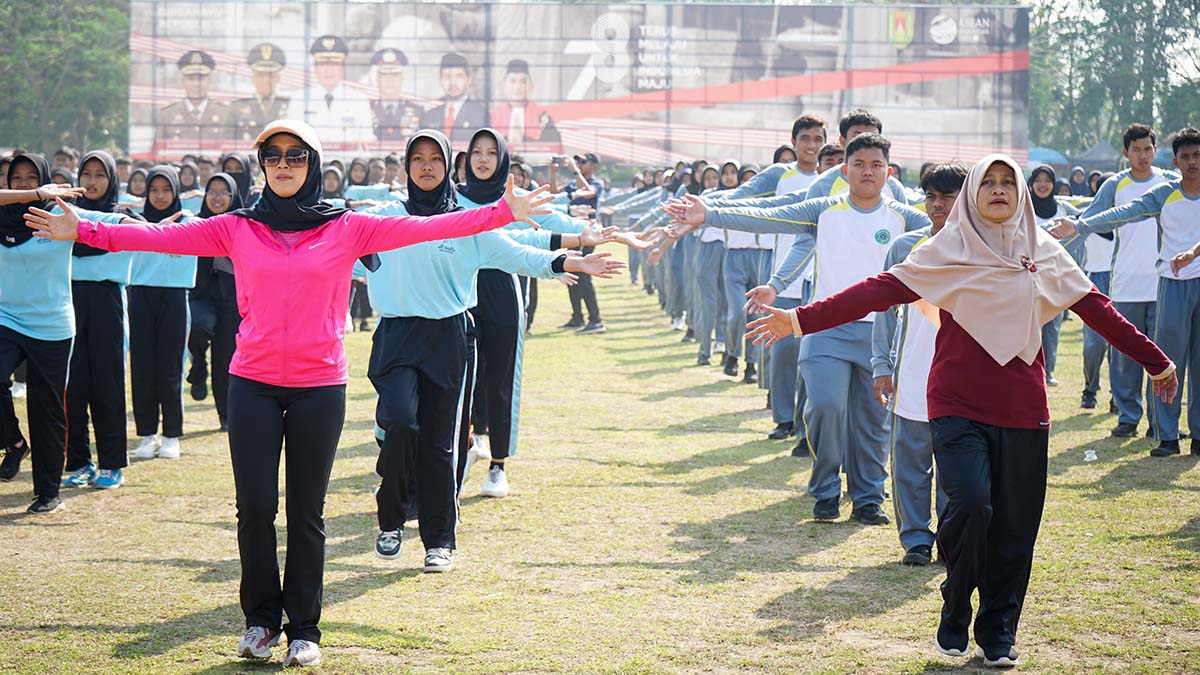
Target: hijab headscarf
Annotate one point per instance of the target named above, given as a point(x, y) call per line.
point(1000, 282)
point(697, 185)
point(1060, 184)
point(243, 178)
point(136, 172)
point(443, 198)
point(188, 164)
point(303, 210)
point(65, 173)
point(483, 191)
point(704, 174)
point(13, 230)
point(235, 199)
point(778, 157)
point(737, 173)
point(107, 203)
point(149, 212)
point(357, 161)
point(1081, 188)
point(1044, 207)
point(747, 168)
point(341, 191)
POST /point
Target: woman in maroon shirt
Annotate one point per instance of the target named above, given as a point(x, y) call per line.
point(990, 279)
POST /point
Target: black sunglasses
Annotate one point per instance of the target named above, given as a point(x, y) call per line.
point(295, 156)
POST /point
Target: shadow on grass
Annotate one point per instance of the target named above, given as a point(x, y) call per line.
point(694, 391)
point(1144, 474)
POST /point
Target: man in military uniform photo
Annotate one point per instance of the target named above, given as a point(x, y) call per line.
point(195, 118)
point(518, 118)
point(394, 117)
point(458, 116)
point(252, 113)
point(339, 112)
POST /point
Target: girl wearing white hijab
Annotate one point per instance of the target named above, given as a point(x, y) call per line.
point(989, 279)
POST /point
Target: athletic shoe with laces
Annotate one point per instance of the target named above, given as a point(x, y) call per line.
point(1124, 430)
point(870, 514)
point(1166, 449)
point(827, 509)
point(480, 450)
point(439, 560)
point(109, 479)
point(11, 465)
point(689, 336)
point(573, 323)
point(703, 361)
point(302, 653)
point(169, 448)
point(44, 505)
point(257, 642)
point(387, 544)
point(1002, 656)
point(1088, 401)
point(496, 483)
point(731, 366)
point(149, 446)
point(801, 448)
point(782, 431)
point(918, 556)
point(81, 477)
point(592, 328)
point(751, 375)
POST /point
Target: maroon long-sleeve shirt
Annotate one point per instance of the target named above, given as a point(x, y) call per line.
point(964, 381)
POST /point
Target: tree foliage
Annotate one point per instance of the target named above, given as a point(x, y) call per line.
point(65, 69)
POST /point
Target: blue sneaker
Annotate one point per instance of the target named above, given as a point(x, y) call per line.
point(109, 479)
point(81, 477)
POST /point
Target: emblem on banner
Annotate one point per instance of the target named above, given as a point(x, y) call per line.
point(900, 27)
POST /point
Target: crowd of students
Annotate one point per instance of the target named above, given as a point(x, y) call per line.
point(880, 308)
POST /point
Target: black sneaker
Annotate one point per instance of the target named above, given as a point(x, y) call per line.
point(827, 509)
point(572, 324)
point(1166, 449)
point(782, 431)
point(224, 427)
point(593, 328)
point(1195, 451)
point(1112, 407)
point(46, 505)
point(999, 656)
point(950, 642)
point(364, 326)
point(689, 336)
point(1124, 430)
point(1088, 402)
point(11, 464)
point(751, 376)
point(731, 366)
point(918, 556)
point(199, 390)
point(387, 544)
point(801, 448)
point(703, 361)
point(870, 514)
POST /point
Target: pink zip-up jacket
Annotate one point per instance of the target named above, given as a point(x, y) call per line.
point(293, 288)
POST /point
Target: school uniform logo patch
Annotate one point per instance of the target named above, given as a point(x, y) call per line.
point(883, 237)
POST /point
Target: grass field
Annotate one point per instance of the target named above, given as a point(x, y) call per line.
point(651, 529)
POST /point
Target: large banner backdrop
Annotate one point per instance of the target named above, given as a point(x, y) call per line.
point(635, 83)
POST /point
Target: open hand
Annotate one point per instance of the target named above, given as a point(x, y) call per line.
point(58, 226)
point(567, 279)
point(759, 297)
point(525, 206)
point(1182, 260)
point(1166, 388)
point(1064, 228)
point(596, 264)
point(632, 241)
point(594, 236)
point(776, 325)
point(54, 191)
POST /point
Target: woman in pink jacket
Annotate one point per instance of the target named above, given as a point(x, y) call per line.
point(293, 255)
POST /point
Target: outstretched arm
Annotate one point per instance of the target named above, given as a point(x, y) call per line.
point(1097, 312)
point(873, 294)
point(201, 237)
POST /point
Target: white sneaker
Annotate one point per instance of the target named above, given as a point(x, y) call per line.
point(719, 348)
point(478, 451)
point(439, 560)
point(169, 448)
point(148, 447)
point(257, 643)
point(18, 390)
point(302, 653)
point(496, 483)
point(1009, 660)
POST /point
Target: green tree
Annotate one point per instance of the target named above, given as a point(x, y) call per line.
point(65, 66)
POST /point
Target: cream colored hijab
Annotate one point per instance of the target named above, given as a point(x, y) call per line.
point(1001, 283)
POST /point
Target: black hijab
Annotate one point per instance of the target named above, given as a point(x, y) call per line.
point(149, 212)
point(235, 199)
point(144, 183)
point(443, 198)
point(357, 161)
point(243, 178)
point(779, 153)
point(483, 191)
point(697, 184)
point(107, 203)
point(1044, 207)
point(302, 211)
point(341, 192)
point(65, 173)
point(188, 164)
point(745, 169)
point(13, 230)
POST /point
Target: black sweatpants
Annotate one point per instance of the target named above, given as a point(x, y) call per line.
point(97, 376)
point(306, 424)
point(202, 313)
point(584, 293)
point(500, 334)
point(46, 379)
point(158, 324)
point(360, 301)
point(529, 289)
point(467, 409)
point(418, 367)
point(995, 482)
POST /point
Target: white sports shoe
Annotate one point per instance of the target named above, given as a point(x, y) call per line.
point(479, 450)
point(439, 560)
point(148, 447)
point(496, 483)
point(257, 642)
point(302, 653)
point(169, 448)
point(18, 390)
